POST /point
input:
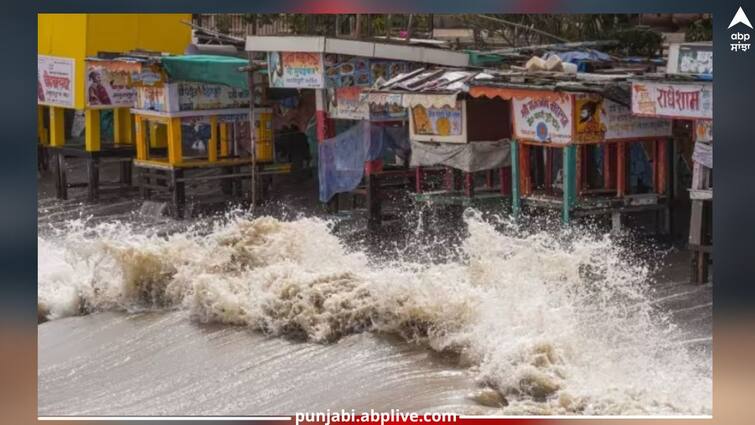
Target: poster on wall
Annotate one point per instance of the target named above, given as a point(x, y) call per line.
point(432, 121)
point(56, 80)
point(346, 104)
point(546, 119)
point(296, 70)
point(693, 59)
point(704, 130)
point(672, 100)
point(588, 123)
point(348, 71)
point(622, 125)
point(108, 84)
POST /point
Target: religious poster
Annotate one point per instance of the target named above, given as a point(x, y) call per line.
point(546, 119)
point(588, 125)
point(622, 125)
point(56, 80)
point(672, 100)
point(108, 84)
point(433, 121)
point(296, 70)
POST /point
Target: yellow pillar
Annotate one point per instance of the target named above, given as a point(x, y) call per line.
point(41, 130)
point(158, 136)
point(223, 140)
point(174, 141)
point(212, 148)
point(57, 127)
point(92, 125)
point(142, 150)
point(122, 126)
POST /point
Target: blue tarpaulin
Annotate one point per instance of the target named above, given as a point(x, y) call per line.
point(341, 159)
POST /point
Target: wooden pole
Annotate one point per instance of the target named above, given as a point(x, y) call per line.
point(515, 201)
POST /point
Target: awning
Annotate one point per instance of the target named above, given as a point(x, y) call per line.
point(429, 100)
point(508, 93)
point(206, 69)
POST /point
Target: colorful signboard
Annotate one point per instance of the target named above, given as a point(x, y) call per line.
point(108, 84)
point(432, 121)
point(347, 71)
point(346, 104)
point(546, 119)
point(296, 70)
point(691, 58)
point(56, 80)
point(190, 96)
point(622, 125)
point(672, 100)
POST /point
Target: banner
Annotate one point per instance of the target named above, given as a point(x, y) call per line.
point(193, 96)
point(56, 81)
point(296, 70)
point(621, 124)
point(445, 121)
point(543, 119)
point(108, 84)
point(672, 100)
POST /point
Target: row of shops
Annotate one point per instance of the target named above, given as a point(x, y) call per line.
point(392, 122)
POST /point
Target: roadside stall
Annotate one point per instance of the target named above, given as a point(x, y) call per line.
point(202, 107)
point(82, 87)
point(571, 144)
point(338, 70)
point(460, 150)
point(685, 94)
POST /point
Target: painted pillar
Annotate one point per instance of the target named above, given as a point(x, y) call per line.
point(325, 127)
point(570, 181)
point(57, 127)
point(158, 134)
point(607, 175)
point(122, 126)
point(224, 140)
point(515, 201)
point(92, 125)
point(621, 169)
point(41, 130)
point(175, 154)
point(141, 138)
point(212, 147)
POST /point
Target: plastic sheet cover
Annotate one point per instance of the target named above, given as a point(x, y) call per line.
point(468, 157)
point(341, 159)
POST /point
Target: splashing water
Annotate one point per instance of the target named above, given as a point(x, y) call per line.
point(555, 324)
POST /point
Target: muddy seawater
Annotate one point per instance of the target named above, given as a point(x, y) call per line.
point(263, 315)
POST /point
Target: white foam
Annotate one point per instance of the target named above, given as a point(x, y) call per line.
point(558, 325)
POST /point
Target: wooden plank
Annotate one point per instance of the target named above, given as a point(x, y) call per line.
point(224, 147)
point(621, 169)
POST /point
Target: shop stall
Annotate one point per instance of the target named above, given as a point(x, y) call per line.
point(201, 107)
point(571, 148)
point(84, 90)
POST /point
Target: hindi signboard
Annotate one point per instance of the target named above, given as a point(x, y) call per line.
point(296, 70)
point(346, 104)
point(622, 125)
point(190, 96)
point(546, 119)
point(672, 100)
point(56, 81)
point(108, 84)
point(438, 124)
